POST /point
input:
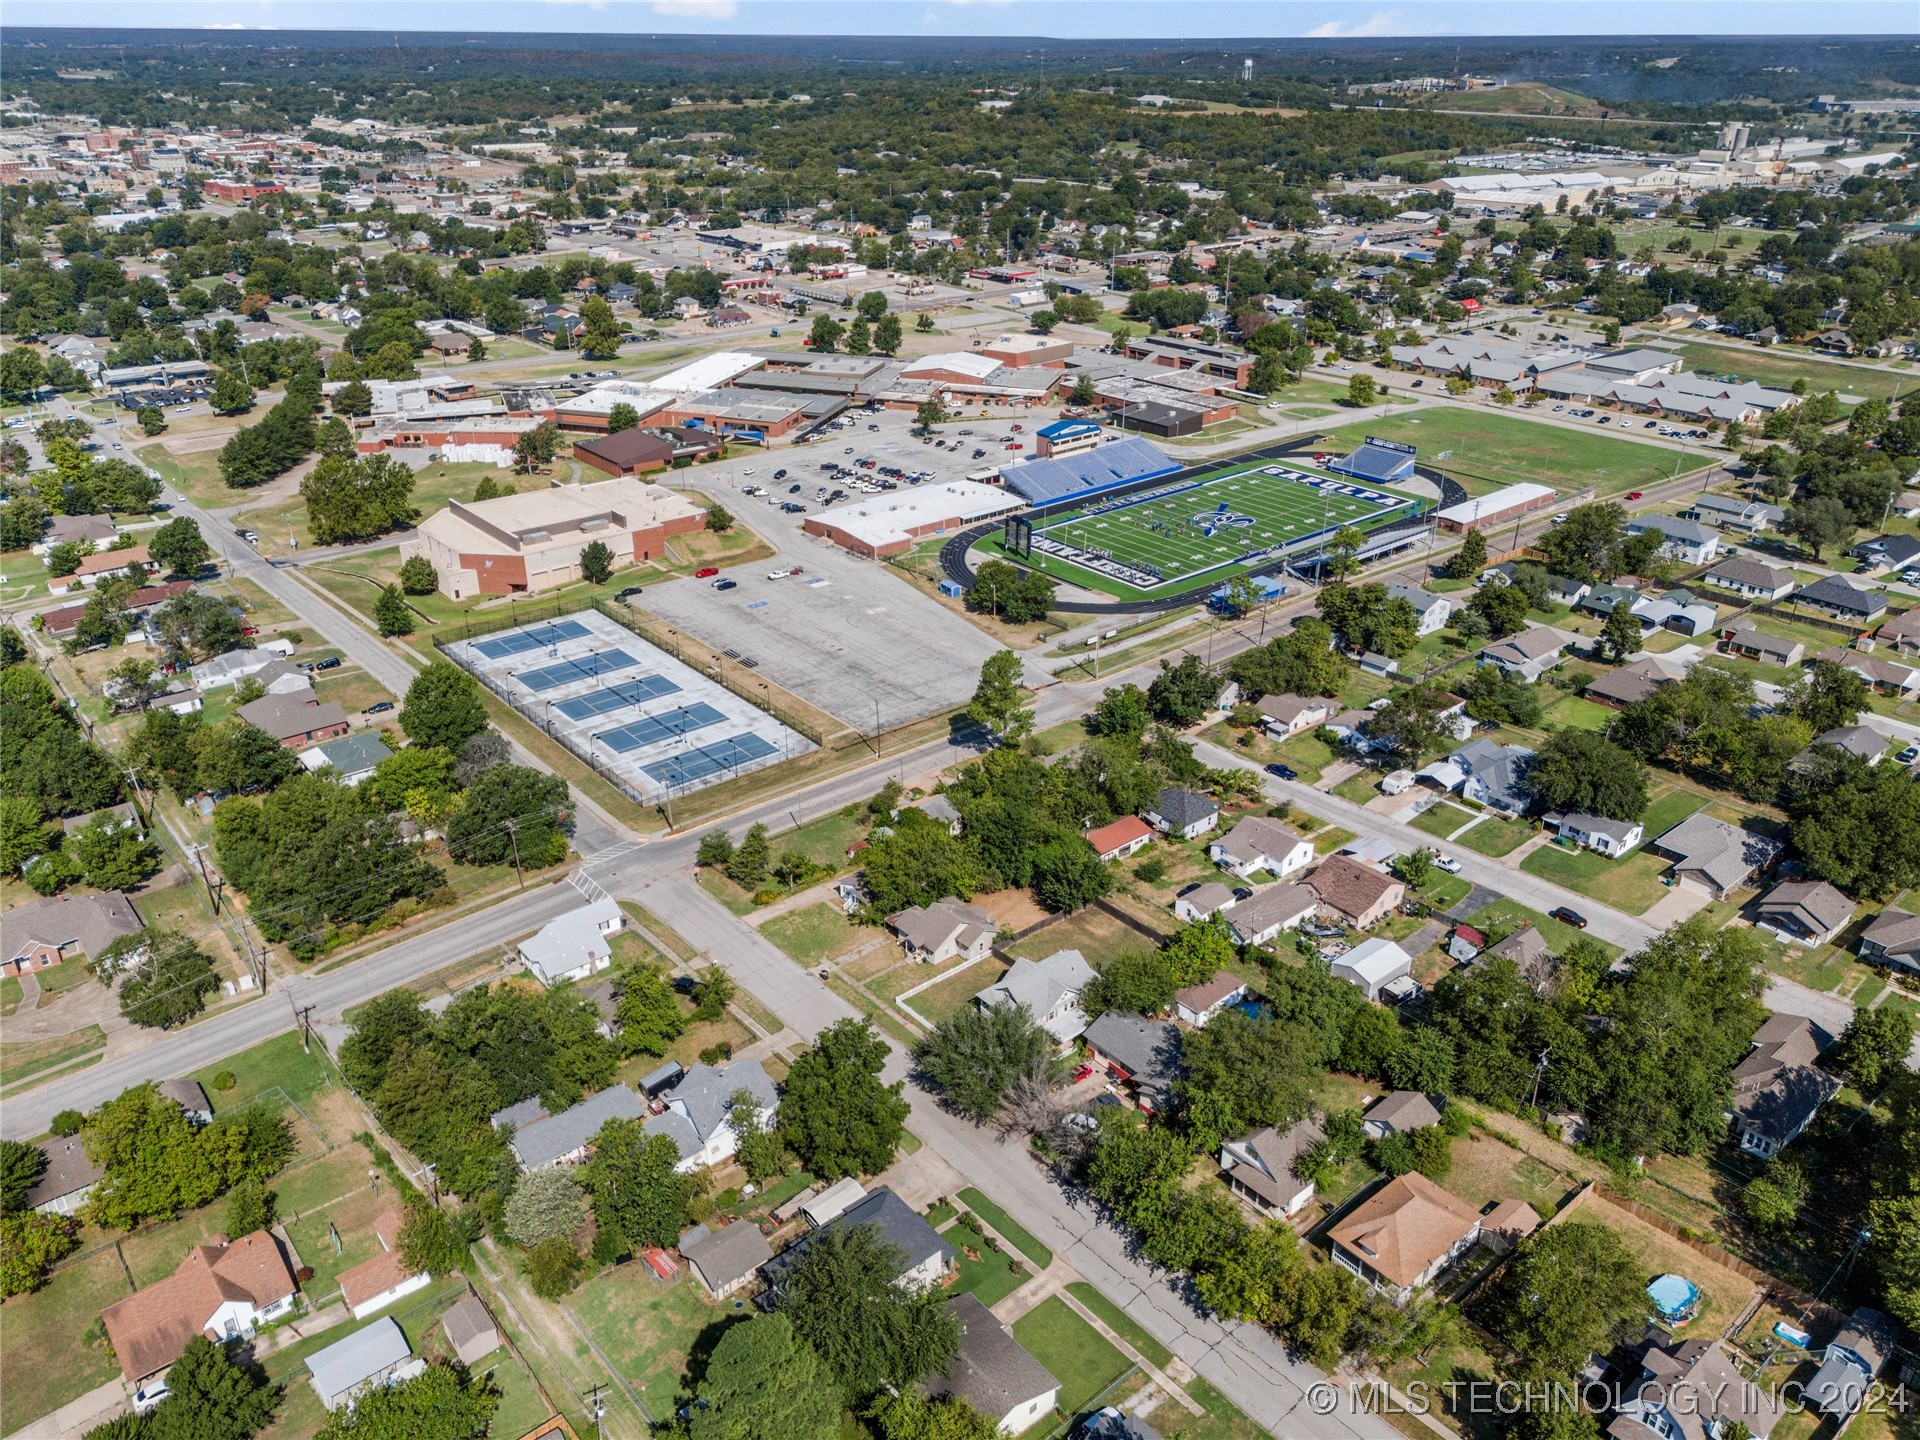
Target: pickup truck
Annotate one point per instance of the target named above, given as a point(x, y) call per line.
point(783, 572)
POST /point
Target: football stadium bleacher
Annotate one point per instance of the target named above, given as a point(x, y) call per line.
point(1382, 461)
point(1074, 478)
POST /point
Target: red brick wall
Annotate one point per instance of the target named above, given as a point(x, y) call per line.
point(497, 574)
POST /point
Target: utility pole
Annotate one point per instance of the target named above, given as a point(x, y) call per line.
point(213, 891)
point(513, 837)
point(303, 1017)
point(596, 1407)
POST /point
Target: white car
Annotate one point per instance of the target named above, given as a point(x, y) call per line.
point(1446, 863)
point(783, 572)
point(1559, 520)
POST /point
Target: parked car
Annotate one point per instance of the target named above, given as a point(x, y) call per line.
point(332, 662)
point(1446, 863)
point(1909, 755)
point(379, 707)
point(1568, 917)
point(783, 572)
point(627, 594)
point(1635, 495)
point(1283, 772)
point(779, 474)
point(705, 570)
point(725, 584)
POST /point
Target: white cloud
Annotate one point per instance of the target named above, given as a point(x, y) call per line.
point(1383, 23)
point(697, 9)
point(235, 26)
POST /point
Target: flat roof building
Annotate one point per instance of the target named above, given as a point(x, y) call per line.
point(1506, 503)
point(523, 544)
point(891, 523)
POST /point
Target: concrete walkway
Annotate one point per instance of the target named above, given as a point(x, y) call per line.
point(74, 1419)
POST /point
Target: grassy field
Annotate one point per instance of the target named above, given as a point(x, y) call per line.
point(1496, 837)
point(1503, 917)
point(646, 1327)
point(1007, 1228)
point(23, 1060)
point(1780, 368)
point(1496, 449)
point(1077, 1355)
point(55, 1350)
point(815, 933)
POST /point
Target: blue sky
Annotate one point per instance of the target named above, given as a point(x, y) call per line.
point(1188, 19)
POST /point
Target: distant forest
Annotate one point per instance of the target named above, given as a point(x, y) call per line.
point(282, 79)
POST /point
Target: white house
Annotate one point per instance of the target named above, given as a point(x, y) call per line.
point(1612, 838)
point(1197, 1004)
point(1372, 965)
point(1198, 902)
point(993, 1372)
point(1433, 611)
point(1285, 716)
point(1687, 541)
point(372, 1285)
point(574, 945)
point(1271, 909)
point(1049, 988)
point(698, 1115)
point(1184, 814)
point(1259, 842)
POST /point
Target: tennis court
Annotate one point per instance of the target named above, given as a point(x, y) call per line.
point(617, 696)
point(711, 760)
point(583, 667)
point(1239, 517)
point(652, 729)
point(538, 637)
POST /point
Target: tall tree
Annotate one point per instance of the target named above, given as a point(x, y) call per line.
point(844, 1301)
point(1583, 771)
point(1568, 1292)
point(636, 1190)
point(441, 1403)
point(764, 1380)
point(443, 707)
point(836, 1114)
point(976, 1054)
point(997, 701)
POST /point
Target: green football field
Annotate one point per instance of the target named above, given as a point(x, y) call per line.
point(1245, 516)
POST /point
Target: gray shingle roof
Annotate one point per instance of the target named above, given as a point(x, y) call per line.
point(544, 1141)
point(345, 1363)
point(990, 1370)
point(1181, 807)
point(887, 1213)
point(730, 1253)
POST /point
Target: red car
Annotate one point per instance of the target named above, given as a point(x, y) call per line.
point(1015, 445)
point(1082, 1073)
point(705, 571)
point(1633, 495)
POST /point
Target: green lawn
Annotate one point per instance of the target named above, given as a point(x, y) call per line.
point(812, 934)
point(1496, 837)
point(645, 1327)
point(1077, 1355)
point(433, 487)
point(1359, 789)
point(1780, 368)
point(1573, 713)
point(70, 974)
point(274, 1067)
point(1496, 449)
point(20, 1061)
point(48, 1361)
point(1503, 917)
point(1441, 820)
point(1121, 1323)
point(1007, 1228)
point(1631, 884)
point(991, 1278)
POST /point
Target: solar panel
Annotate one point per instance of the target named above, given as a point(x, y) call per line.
point(708, 760)
point(652, 729)
point(617, 697)
point(538, 637)
point(600, 662)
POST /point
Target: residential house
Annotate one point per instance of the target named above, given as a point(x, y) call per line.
point(933, 934)
point(1372, 965)
point(1888, 552)
point(698, 1115)
point(926, 1256)
point(540, 1139)
point(1714, 857)
point(1432, 610)
point(1530, 654)
point(1842, 599)
point(98, 531)
point(1777, 1090)
point(1677, 611)
point(1893, 939)
point(1285, 716)
point(725, 1258)
point(1403, 1235)
point(1486, 773)
point(1527, 948)
point(1259, 842)
point(281, 677)
point(97, 567)
point(574, 945)
point(223, 1290)
point(1747, 640)
point(1611, 838)
point(1357, 894)
point(372, 1285)
point(1141, 1056)
point(470, 1331)
point(940, 810)
point(367, 1359)
point(1633, 683)
point(1400, 1113)
point(1049, 988)
point(1751, 579)
point(1197, 1004)
point(66, 1180)
point(1181, 813)
point(1862, 742)
point(1852, 1362)
point(1684, 540)
point(1124, 837)
point(1263, 915)
point(1902, 632)
point(1898, 678)
point(1806, 912)
point(1690, 1390)
point(993, 1373)
point(1508, 1223)
point(1731, 512)
point(1603, 600)
point(296, 721)
point(1259, 1168)
point(234, 666)
point(1198, 902)
point(191, 1099)
point(352, 757)
point(43, 932)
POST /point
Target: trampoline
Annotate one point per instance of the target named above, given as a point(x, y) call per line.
point(1675, 1298)
point(539, 637)
point(600, 662)
point(652, 729)
point(728, 754)
point(617, 696)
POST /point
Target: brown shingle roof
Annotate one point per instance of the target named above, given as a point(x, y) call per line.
point(385, 1270)
point(1404, 1227)
point(150, 1330)
point(1347, 887)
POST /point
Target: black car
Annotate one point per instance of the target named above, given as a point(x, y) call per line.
point(628, 593)
point(779, 474)
point(793, 489)
point(379, 707)
point(1283, 772)
point(332, 662)
point(1568, 917)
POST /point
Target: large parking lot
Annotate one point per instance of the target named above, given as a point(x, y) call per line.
point(633, 711)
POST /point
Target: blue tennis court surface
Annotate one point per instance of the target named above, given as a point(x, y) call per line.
point(617, 697)
point(652, 729)
point(539, 637)
point(600, 662)
point(711, 759)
